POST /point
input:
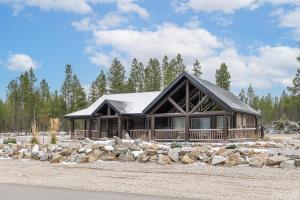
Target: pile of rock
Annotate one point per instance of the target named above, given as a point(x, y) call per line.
point(253, 154)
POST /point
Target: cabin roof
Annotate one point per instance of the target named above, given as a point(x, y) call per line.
point(224, 97)
point(125, 103)
point(140, 103)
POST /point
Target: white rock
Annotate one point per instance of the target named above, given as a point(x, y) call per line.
point(218, 160)
point(136, 153)
point(35, 148)
point(287, 164)
point(108, 148)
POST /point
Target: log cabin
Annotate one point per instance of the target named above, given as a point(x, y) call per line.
point(189, 109)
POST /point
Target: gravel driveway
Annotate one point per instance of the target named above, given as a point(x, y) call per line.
point(176, 180)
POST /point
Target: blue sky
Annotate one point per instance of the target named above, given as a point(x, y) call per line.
point(256, 38)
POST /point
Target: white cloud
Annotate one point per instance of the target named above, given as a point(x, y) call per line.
point(130, 6)
point(222, 20)
point(266, 67)
point(74, 6)
point(111, 20)
point(21, 62)
point(290, 19)
point(166, 39)
point(227, 6)
point(82, 25)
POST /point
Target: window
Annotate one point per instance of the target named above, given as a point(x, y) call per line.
point(201, 123)
point(220, 122)
point(178, 122)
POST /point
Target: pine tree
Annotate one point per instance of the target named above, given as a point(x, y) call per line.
point(14, 105)
point(223, 77)
point(44, 104)
point(295, 88)
point(242, 96)
point(168, 71)
point(56, 105)
point(116, 77)
point(79, 95)
point(179, 66)
point(153, 75)
point(197, 69)
point(98, 87)
point(136, 77)
point(250, 95)
point(130, 86)
point(66, 90)
point(3, 116)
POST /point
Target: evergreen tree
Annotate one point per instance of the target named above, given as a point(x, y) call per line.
point(179, 66)
point(130, 86)
point(3, 116)
point(44, 105)
point(136, 77)
point(295, 88)
point(153, 75)
point(197, 69)
point(56, 105)
point(98, 87)
point(116, 77)
point(66, 90)
point(168, 71)
point(250, 95)
point(79, 95)
point(13, 103)
point(223, 77)
point(242, 96)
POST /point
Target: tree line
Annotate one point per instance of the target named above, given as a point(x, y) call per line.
point(28, 100)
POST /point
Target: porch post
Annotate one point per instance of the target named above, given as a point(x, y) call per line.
point(85, 128)
point(119, 127)
point(152, 127)
point(99, 126)
point(72, 128)
point(225, 127)
point(187, 110)
point(89, 128)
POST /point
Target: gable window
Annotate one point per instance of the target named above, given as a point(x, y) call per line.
point(201, 123)
point(178, 122)
point(220, 122)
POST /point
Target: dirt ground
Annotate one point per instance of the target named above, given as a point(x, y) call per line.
point(176, 180)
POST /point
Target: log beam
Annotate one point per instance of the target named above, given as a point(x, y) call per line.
point(199, 103)
point(176, 105)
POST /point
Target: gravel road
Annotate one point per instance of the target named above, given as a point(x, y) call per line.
point(176, 180)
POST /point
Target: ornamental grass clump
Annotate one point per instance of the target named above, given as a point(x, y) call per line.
point(54, 128)
point(34, 139)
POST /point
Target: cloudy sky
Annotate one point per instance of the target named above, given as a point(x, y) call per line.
point(257, 39)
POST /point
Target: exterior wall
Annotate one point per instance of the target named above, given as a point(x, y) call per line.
point(245, 121)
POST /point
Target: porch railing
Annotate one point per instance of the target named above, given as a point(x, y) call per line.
point(80, 133)
point(139, 133)
point(241, 133)
point(168, 134)
point(94, 134)
point(206, 134)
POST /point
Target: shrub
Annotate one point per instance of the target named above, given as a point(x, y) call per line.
point(10, 140)
point(232, 146)
point(175, 145)
point(34, 140)
point(53, 139)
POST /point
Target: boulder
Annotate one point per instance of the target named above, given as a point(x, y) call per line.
point(290, 153)
point(258, 160)
point(203, 149)
point(44, 156)
point(287, 164)
point(127, 137)
point(174, 154)
point(275, 160)
point(163, 160)
point(204, 157)
point(218, 160)
point(108, 157)
point(153, 158)
point(234, 159)
point(89, 150)
point(117, 140)
point(185, 150)
point(108, 148)
point(224, 152)
point(35, 148)
point(127, 157)
point(81, 150)
point(135, 147)
point(66, 151)
point(187, 160)
point(154, 147)
point(143, 158)
point(136, 154)
point(194, 154)
point(150, 152)
point(92, 157)
point(297, 162)
point(56, 158)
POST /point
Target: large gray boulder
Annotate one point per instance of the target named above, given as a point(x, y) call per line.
point(287, 164)
point(218, 160)
point(174, 154)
